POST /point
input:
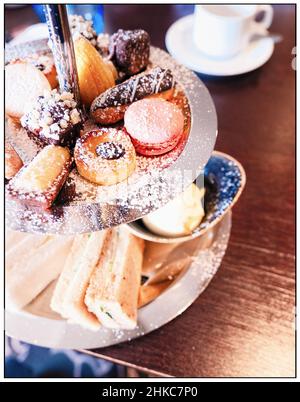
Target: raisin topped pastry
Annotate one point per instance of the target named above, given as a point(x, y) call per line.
point(130, 50)
point(52, 119)
point(45, 63)
point(109, 107)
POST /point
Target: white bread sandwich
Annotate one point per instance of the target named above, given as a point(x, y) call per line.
point(31, 264)
point(69, 294)
point(19, 246)
point(112, 294)
point(13, 238)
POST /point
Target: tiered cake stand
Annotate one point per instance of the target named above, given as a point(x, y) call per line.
point(85, 207)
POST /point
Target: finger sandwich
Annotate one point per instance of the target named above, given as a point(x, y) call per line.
point(100, 280)
point(69, 294)
point(31, 264)
point(112, 294)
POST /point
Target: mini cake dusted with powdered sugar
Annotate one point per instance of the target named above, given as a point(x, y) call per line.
point(39, 182)
point(52, 118)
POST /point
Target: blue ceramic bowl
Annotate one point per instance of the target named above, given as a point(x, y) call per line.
point(224, 180)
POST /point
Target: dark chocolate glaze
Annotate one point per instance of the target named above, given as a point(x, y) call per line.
point(136, 88)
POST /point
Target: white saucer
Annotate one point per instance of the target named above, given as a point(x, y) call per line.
point(179, 42)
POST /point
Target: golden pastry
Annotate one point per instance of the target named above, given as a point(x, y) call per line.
point(105, 156)
point(39, 182)
point(94, 75)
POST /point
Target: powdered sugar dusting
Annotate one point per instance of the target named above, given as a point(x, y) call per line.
point(85, 151)
point(52, 116)
point(83, 206)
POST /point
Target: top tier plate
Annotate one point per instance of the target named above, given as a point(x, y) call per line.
point(86, 207)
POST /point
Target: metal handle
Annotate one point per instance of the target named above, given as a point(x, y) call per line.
point(61, 43)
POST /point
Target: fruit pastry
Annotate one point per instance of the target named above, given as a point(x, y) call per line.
point(44, 63)
point(53, 119)
point(39, 182)
point(109, 107)
point(94, 75)
point(155, 126)
point(105, 156)
point(13, 162)
point(23, 84)
point(130, 50)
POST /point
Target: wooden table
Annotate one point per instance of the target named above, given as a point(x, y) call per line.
point(243, 324)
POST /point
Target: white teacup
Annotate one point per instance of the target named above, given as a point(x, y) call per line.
point(222, 31)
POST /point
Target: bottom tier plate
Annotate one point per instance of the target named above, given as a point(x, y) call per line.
point(39, 325)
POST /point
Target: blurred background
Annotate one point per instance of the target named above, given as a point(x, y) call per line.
point(115, 16)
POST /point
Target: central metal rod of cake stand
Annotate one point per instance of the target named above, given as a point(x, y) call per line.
point(61, 44)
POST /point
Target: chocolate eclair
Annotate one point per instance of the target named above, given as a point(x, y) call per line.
point(52, 119)
point(39, 182)
point(110, 106)
point(129, 50)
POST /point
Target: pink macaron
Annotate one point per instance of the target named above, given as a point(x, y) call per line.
point(155, 125)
